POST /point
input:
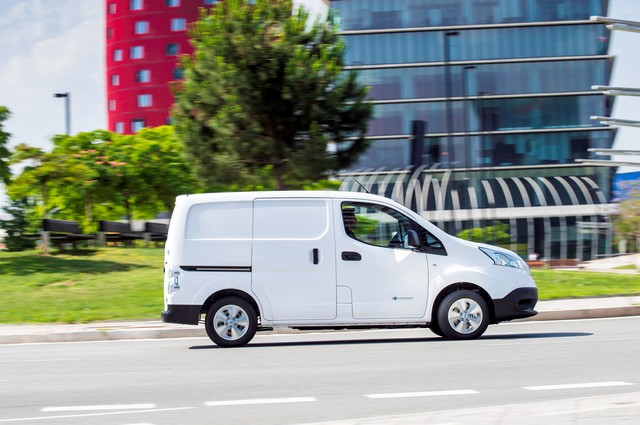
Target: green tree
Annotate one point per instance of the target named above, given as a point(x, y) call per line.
point(104, 176)
point(627, 224)
point(5, 171)
point(40, 171)
point(164, 171)
point(18, 226)
point(265, 92)
point(67, 179)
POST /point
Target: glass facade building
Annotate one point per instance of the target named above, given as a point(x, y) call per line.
point(504, 89)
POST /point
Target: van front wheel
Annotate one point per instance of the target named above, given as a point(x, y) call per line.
point(231, 322)
point(463, 315)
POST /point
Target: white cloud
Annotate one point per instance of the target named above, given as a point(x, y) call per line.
point(52, 49)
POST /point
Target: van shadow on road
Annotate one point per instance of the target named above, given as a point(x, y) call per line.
point(399, 340)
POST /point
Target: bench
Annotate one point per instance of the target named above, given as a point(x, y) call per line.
point(565, 263)
point(60, 232)
point(116, 231)
point(535, 264)
point(155, 232)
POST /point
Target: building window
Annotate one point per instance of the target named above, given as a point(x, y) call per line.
point(137, 52)
point(112, 8)
point(178, 24)
point(209, 2)
point(173, 3)
point(172, 49)
point(112, 105)
point(119, 128)
point(136, 5)
point(109, 33)
point(137, 124)
point(178, 73)
point(143, 76)
point(141, 27)
point(117, 55)
point(144, 100)
point(115, 79)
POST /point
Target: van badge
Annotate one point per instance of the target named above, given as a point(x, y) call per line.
point(401, 298)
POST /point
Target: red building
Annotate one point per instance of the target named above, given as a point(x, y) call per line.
point(144, 41)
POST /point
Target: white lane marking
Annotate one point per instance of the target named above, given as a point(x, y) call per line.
point(572, 386)
point(88, 415)
point(422, 394)
point(100, 407)
point(43, 360)
point(260, 401)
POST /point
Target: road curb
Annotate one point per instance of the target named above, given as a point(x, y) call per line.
point(154, 330)
point(588, 313)
point(102, 335)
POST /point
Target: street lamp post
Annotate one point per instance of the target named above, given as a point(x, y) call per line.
point(447, 88)
point(67, 105)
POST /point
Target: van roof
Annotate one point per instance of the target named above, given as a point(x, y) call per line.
point(247, 196)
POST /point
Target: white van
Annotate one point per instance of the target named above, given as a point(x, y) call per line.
point(331, 260)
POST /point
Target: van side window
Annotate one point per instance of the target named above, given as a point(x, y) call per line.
point(431, 244)
point(375, 225)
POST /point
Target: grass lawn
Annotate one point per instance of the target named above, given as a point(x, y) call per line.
point(102, 284)
point(127, 283)
point(554, 284)
point(628, 267)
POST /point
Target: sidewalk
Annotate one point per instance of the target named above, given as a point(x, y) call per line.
point(108, 331)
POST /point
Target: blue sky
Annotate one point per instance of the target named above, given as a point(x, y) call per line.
point(49, 46)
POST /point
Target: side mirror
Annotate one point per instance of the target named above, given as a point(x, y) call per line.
point(413, 240)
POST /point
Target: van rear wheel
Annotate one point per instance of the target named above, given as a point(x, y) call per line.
point(435, 328)
point(231, 322)
point(463, 315)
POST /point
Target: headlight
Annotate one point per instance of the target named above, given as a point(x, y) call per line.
point(501, 258)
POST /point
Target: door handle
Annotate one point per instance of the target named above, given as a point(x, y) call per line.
point(351, 256)
point(315, 256)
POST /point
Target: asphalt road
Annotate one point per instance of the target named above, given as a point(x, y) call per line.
point(581, 371)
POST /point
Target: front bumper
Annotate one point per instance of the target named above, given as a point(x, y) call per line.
point(185, 314)
point(518, 304)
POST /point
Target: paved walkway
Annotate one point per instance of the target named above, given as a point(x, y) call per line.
point(610, 264)
point(105, 331)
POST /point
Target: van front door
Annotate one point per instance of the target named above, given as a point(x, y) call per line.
point(386, 278)
point(293, 260)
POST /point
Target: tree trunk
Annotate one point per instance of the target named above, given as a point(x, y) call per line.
point(277, 175)
point(127, 208)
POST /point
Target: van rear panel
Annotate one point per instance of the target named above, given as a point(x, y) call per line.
point(218, 234)
point(208, 248)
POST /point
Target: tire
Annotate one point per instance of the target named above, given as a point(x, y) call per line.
point(231, 322)
point(463, 315)
point(435, 328)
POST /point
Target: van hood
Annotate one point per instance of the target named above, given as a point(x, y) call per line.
point(478, 245)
